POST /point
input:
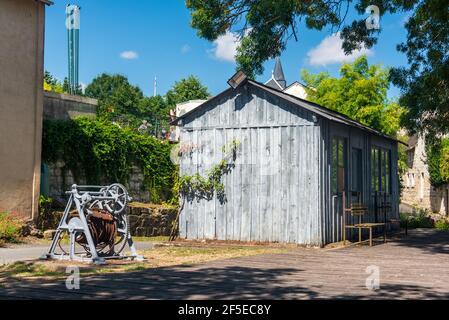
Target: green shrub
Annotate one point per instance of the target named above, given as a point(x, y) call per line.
point(416, 221)
point(442, 224)
point(48, 216)
point(9, 227)
point(98, 150)
point(437, 151)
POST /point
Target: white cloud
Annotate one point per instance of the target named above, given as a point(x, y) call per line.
point(185, 48)
point(129, 55)
point(329, 51)
point(225, 47)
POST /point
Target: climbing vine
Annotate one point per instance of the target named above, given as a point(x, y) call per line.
point(190, 187)
point(204, 187)
point(98, 150)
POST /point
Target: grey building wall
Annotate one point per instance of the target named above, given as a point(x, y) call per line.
point(272, 194)
point(332, 204)
point(21, 101)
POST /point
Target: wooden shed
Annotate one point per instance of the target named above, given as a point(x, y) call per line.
point(294, 162)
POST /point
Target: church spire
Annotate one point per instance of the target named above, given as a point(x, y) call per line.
point(278, 74)
point(277, 80)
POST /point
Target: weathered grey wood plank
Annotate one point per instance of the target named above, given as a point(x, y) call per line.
point(255, 176)
point(244, 161)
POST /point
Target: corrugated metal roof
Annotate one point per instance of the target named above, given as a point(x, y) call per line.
point(310, 106)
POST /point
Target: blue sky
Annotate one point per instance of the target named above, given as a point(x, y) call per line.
point(146, 38)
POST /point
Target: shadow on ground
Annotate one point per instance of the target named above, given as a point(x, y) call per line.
point(205, 283)
point(180, 282)
point(299, 274)
point(428, 240)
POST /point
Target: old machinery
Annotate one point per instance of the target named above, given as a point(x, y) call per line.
point(98, 228)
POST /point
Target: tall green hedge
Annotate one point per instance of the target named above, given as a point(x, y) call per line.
point(97, 150)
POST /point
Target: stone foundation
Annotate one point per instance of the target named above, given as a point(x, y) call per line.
point(152, 221)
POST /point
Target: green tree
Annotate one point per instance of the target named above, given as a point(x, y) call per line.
point(66, 88)
point(360, 93)
point(266, 26)
point(52, 84)
point(186, 89)
point(156, 111)
point(425, 82)
point(118, 99)
point(437, 152)
point(150, 107)
point(66, 85)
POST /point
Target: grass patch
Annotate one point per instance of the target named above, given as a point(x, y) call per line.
point(158, 257)
point(167, 256)
point(28, 270)
point(442, 225)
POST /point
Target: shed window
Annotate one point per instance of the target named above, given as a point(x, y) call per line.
point(338, 180)
point(380, 170)
point(357, 170)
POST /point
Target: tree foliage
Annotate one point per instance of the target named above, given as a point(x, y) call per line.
point(425, 82)
point(266, 26)
point(156, 107)
point(123, 103)
point(360, 93)
point(52, 84)
point(186, 89)
point(117, 98)
point(437, 152)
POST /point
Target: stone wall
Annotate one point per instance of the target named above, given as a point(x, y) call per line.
point(59, 180)
point(55, 180)
point(65, 107)
point(152, 221)
point(148, 221)
point(417, 190)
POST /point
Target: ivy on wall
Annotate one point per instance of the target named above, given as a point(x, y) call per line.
point(197, 186)
point(97, 150)
point(437, 151)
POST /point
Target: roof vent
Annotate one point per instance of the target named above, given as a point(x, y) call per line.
point(237, 79)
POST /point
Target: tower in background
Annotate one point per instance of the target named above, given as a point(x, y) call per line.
point(277, 80)
point(73, 31)
point(155, 87)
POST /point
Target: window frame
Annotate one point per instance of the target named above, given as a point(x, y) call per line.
point(381, 169)
point(340, 150)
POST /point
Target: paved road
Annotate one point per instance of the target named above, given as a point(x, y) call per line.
point(16, 253)
point(409, 268)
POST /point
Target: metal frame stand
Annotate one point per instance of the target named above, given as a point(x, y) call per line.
point(104, 198)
